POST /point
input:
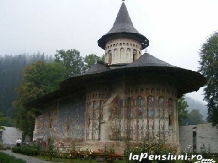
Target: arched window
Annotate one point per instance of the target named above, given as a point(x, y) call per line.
point(121, 53)
point(109, 57)
point(50, 123)
point(139, 101)
point(134, 54)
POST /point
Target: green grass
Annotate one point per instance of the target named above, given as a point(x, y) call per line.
point(5, 158)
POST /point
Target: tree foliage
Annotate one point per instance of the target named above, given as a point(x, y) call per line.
point(195, 117)
point(39, 78)
point(11, 67)
point(1, 119)
point(72, 60)
point(182, 110)
point(91, 59)
point(209, 68)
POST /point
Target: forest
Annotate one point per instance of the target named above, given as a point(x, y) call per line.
point(11, 67)
point(12, 70)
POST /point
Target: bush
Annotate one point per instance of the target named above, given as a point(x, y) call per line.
point(9, 159)
point(26, 150)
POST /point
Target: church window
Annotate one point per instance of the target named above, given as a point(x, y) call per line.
point(121, 52)
point(127, 44)
point(120, 44)
point(109, 57)
point(152, 90)
point(101, 110)
point(134, 54)
point(139, 101)
point(50, 123)
point(170, 111)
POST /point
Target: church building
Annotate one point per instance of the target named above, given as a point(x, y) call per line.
point(129, 96)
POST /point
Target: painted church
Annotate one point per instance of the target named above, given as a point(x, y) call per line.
point(128, 96)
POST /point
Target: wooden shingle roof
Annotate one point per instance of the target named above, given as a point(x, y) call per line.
point(123, 26)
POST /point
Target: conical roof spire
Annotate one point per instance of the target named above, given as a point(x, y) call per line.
point(123, 25)
point(123, 22)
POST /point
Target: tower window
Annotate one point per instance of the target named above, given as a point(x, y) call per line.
point(134, 55)
point(109, 57)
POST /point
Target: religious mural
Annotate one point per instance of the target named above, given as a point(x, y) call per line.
point(62, 120)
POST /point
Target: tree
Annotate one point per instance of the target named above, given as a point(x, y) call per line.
point(1, 119)
point(72, 60)
point(182, 110)
point(91, 59)
point(38, 78)
point(209, 68)
point(195, 117)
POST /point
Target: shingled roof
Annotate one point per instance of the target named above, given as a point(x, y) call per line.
point(97, 68)
point(148, 60)
point(123, 25)
point(187, 80)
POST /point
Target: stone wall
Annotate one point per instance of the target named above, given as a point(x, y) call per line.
point(10, 135)
point(206, 135)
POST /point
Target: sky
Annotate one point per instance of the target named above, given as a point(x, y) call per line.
point(176, 29)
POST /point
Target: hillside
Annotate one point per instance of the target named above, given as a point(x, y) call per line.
point(193, 104)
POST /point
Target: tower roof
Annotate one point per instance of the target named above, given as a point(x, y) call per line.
point(123, 25)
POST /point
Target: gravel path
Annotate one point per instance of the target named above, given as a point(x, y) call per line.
point(28, 159)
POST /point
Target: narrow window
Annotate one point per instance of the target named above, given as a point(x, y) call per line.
point(134, 55)
point(109, 57)
point(50, 123)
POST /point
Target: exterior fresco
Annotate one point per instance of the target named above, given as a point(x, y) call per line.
point(62, 120)
point(134, 110)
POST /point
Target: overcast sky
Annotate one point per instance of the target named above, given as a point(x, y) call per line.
point(176, 29)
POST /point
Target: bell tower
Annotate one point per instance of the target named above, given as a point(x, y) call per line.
point(123, 43)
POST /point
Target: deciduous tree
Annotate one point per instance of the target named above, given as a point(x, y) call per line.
point(72, 60)
point(38, 79)
point(209, 68)
point(195, 117)
point(182, 110)
point(91, 59)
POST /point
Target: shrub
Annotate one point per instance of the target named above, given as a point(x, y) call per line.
point(26, 150)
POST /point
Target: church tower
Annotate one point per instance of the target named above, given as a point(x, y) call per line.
point(123, 43)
